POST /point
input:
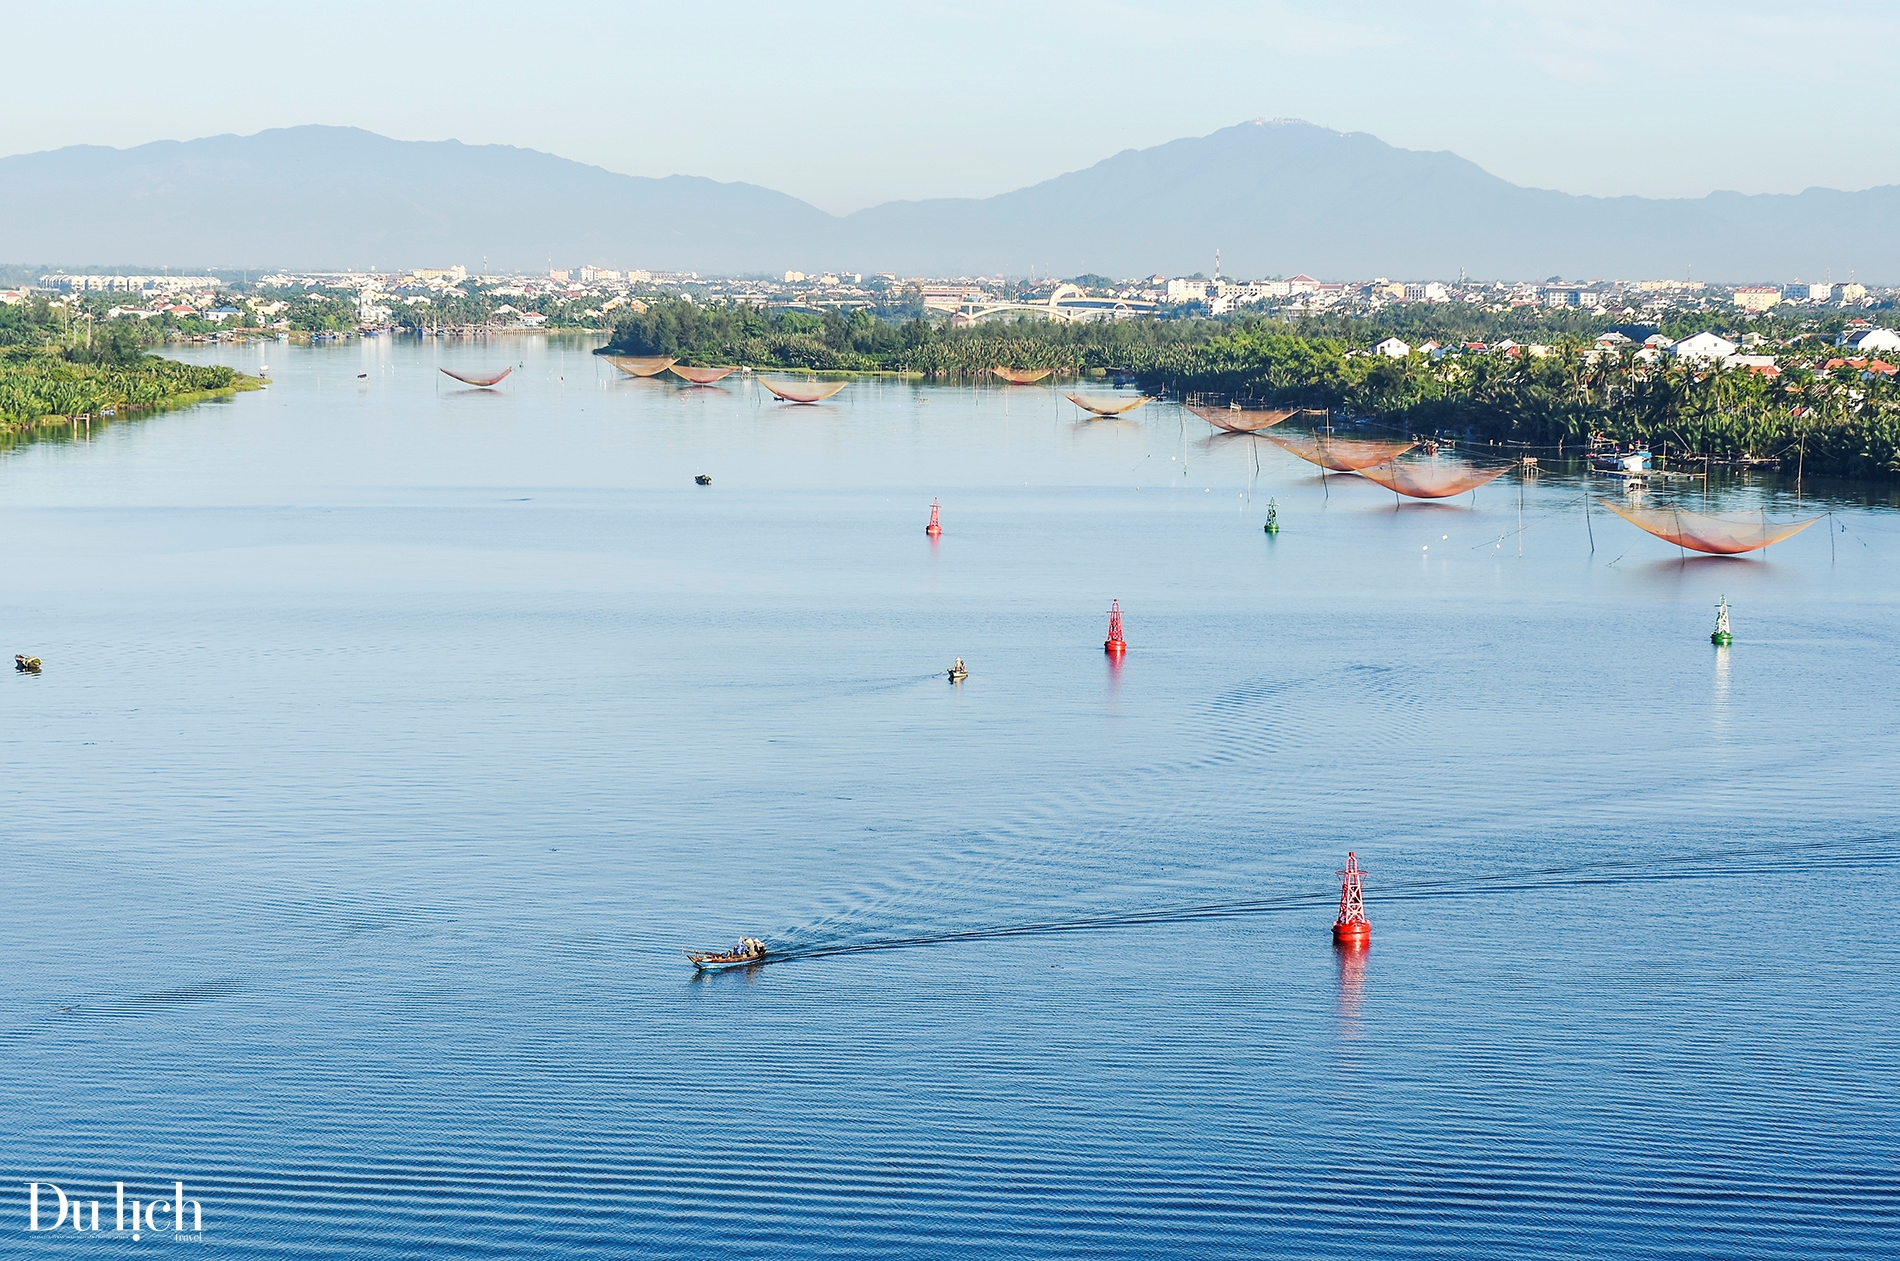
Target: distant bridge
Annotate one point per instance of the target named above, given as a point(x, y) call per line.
point(1067, 305)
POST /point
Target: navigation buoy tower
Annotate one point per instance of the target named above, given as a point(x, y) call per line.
point(1115, 645)
point(1351, 928)
point(935, 527)
point(1273, 518)
point(1720, 636)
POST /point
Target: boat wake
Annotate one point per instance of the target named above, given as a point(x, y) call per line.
point(1797, 858)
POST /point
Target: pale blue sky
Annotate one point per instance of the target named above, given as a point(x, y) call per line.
point(849, 103)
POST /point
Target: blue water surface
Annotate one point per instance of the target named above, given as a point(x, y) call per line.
point(395, 737)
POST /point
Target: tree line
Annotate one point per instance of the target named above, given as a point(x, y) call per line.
point(1839, 421)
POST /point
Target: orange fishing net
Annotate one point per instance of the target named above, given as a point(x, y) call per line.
point(1341, 455)
point(702, 376)
point(1022, 376)
point(1700, 532)
point(1235, 420)
point(652, 366)
point(1430, 479)
point(812, 393)
point(1106, 406)
point(470, 379)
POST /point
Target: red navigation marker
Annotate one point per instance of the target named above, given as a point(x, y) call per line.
point(1351, 928)
point(1115, 644)
point(935, 527)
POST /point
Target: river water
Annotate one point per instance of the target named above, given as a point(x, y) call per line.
point(394, 737)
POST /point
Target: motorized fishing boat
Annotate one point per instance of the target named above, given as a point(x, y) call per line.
point(749, 950)
point(1609, 459)
point(703, 479)
point(957, 672)
point(25, 664)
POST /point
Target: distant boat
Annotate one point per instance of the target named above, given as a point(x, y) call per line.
point(1022, 376)
point(1107, 406)
point(482, 381)
point(700, 376)
point(650, 366)
point(814, 393)
point(1614, 461)
point(749, 950)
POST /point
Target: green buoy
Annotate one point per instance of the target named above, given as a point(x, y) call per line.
point(1273, 518)
point(1720, 636)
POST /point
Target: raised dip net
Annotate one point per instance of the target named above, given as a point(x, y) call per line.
point(1341, 455)
point(701, 376)
point(1107, 406)
point(1239, 420)
point(471, 378)
point(1429, 479)
point(648, 366)
point(1701, 532)
point(813, 392)
point(1022, 376)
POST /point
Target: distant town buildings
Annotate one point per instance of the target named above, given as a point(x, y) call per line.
point(593, 295)
point(1872, 341)
point(62, 283)
point(1706, 347)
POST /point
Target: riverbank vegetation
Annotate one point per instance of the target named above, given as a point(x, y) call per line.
point(109, 375)
point(1553, 384)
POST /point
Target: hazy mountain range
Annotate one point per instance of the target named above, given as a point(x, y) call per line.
point(1276, 198)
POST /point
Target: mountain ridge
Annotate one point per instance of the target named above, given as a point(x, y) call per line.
point(1274, 196)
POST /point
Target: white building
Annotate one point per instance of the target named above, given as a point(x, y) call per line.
point(1704, 348)
point(1874, 340)
point(1187, 290)
point(1392, 348)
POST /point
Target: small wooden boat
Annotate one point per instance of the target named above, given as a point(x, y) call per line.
point(957, 672)
point(749, 950)
point(26, 665)
point(703, 479)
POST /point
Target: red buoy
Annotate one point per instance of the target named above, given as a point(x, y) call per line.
point(1114, 643)
point(1351, 928)
point(935, 527)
